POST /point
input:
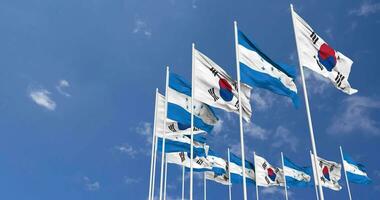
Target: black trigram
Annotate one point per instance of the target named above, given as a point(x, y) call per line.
point(212, 93)
point(267, 180)
point(264, 165)
point(214, 71)
point(172, 128)
point(314, 37)
point(199, 162)
point(237, 105)
point(182, 156)
point(339, 79)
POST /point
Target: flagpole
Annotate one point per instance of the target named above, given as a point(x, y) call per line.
point(154, 166)
point(240, 112)
point(166, 174)
point(192, 121)
point(163, 134)
point(229, 176)
point(308, 111)
point(314, 177)
point(204, 186)
point(153, 144)
point(183, 182)
point(345, 173)
point(283, 170)
point(257, 187)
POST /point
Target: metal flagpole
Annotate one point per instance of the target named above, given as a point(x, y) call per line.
point(345, 173)
point(204, 186)
point(192, 121)
point(163, 134)
point(257, 187)
point(229, 175)
point(315, 177)
point(183, 182)
point(283, 170)
point(308, 111)
point(151, 185)
point(154, 166)
point(240, 111)
point(166, 175)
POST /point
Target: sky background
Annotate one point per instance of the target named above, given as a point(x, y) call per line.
point(77, 86)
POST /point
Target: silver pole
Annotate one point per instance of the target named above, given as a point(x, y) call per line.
point(315, 177)
point(151, 185)
point(204, 186)
point(257, 187)
point(240, 111)
point(345, 173)
point(229, 176)
point(308, 111)
point(283, 170)
point(183, 182)
point(192, 122)
point(166, 175)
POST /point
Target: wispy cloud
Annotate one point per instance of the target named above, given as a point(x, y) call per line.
point(127, 149)
point(130, 180)
point(62, 85)
point(218, 127)
point(316, 84)
point(270, 191)
point(366, 8)
point(41, 97)
point(145, 129)
point(355, 115)
point(284, 138)
point(141, 27)
point(194, 4)
point(91, 185)
point(262, 100)
point(255, 131)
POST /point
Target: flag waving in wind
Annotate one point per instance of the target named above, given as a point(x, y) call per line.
point(258, 70)
point(315, 54)
point(295, 175)
point(179, 105)
point(329, 173)
point(356, 172)
point(266, 174)
point(216, 88)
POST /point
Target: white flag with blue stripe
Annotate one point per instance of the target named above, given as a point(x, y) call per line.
point(258, 70)
point(200, 164)
point(216, 88)
point(295, 175)
point(219, 171)
point(356, 172)
point(181, 143)
point(236, 170)
point(179, 105)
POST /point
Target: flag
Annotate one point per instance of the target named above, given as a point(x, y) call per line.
point(295, 175)
point(179, 105)
point(315, 54)
point(200, 164)
point(266, 174)
point(219, 171)
point(329, 173)
point(356, 172)
point(236, 170)
point(258, 70)
point(216, 88)
point(171, 126)
point(181, 143)
point(219, 178)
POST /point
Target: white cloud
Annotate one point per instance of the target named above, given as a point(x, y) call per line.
point(194, 4)
point(366, 8)
point(262, 100)
point(142, 28)
point(41, 97)
point(255, 131)
point(329, 33)
point(284, 138)
point(270, 191)
point(127, 149)
point(91, 185)
point(145, 129)
point(62, 84)
point(316, 84)
point(130, 180)
point(218, 127)
point(355, 115)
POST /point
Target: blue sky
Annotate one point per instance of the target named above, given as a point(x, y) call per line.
point(78, 78)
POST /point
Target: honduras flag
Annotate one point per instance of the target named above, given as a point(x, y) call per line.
point(258, 70)
point(295, 175)
point(179, 106)
point(236, 170)
point(219, 165)
point(356, 172)
point(181, 143)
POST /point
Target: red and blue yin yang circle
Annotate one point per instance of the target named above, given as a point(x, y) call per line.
point(271, 174)
point(326, 56)
point(326, 173)
point(225, 90)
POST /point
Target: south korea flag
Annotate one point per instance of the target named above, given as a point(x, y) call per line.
point(266, 174)
point(216, 88)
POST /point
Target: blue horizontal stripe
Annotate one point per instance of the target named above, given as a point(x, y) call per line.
point(291, 182)
point(290, 164)
point(237, 179)
point(262, 80)
point(175, 146)
point(179, 84)
point(181, 115)
point(187, 169)
point(354, 178)
point(244, 41)
point(235, 159)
